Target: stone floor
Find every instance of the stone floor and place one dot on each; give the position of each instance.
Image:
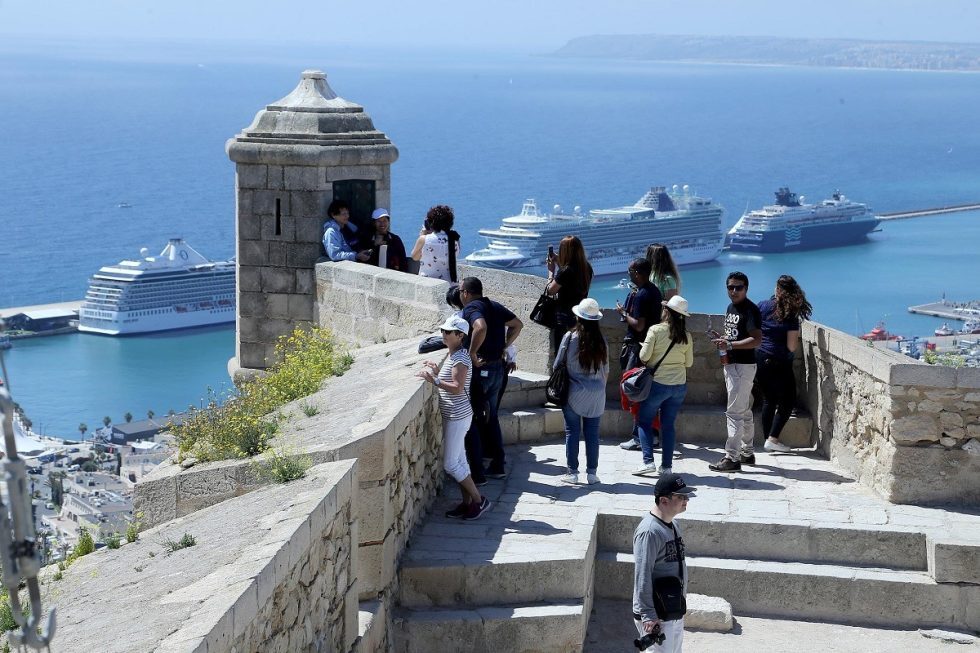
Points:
(534, 511)
(611, 632)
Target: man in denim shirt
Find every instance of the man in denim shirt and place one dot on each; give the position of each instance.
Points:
(339, 234)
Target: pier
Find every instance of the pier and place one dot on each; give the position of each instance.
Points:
(921, 213)
(68, 306)
(949, 310)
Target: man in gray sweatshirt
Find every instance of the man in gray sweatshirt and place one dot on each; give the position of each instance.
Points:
(658, 550)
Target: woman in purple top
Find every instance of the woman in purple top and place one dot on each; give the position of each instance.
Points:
(781, 316)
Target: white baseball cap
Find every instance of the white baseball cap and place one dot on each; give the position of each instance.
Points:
(456, 323)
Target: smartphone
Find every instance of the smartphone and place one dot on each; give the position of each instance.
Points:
(551, 252)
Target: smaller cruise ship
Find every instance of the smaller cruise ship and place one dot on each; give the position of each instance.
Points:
(789, 224)
(177, 289)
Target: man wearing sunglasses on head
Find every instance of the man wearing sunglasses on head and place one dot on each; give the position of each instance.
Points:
(743, 333)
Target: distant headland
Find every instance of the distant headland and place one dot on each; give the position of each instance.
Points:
(764, 50)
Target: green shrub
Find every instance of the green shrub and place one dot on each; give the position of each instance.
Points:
(240, 426)
(282, 466)
(945, 359)
(132, 531)
(185, 541)
(113, 541)
(85, 546)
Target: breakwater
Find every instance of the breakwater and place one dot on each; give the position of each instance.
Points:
(921, 213)
(949, 310)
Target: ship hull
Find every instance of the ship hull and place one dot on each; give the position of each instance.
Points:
(811, 237)
(122, 324)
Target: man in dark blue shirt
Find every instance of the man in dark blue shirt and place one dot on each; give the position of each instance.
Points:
(493, 328)
(643, 309)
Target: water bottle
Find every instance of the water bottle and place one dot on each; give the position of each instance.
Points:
(722, 353)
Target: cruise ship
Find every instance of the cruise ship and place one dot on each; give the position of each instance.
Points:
(177, 289)
(689, 225)
(789, 224)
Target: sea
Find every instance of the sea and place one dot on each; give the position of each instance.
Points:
(87, 127)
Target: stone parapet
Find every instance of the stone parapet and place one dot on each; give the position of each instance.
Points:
(273, 571)
(907, 429)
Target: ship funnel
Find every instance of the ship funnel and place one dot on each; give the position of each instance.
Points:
(556, 208)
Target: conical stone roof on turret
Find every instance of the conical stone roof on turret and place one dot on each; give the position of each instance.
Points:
(312, 126)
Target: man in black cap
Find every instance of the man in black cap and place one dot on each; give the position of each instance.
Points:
(658, 550)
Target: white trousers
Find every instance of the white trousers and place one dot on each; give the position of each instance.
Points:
(674, 631)
(738, 414)
(454, 456)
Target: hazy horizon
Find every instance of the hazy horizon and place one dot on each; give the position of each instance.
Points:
(507, 24)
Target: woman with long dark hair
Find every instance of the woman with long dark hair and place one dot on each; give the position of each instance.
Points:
(781, 316)
(583, 350)
(438, 245)
(569, 277)
(663, 271)
(668, 348)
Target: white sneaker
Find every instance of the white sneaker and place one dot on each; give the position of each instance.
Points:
(644, 470)
(776, 446)
(664, 470)
(592, 479)
(570, 478)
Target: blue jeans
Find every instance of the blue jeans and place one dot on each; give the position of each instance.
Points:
(485, 431)
(573, 432)
(667, 399)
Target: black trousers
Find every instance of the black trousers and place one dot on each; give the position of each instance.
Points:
(778, 385)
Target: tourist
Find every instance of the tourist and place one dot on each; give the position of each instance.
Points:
(453, 381)
(669, 350)
(340, 235)
(642, 310)
(432, 249)
(388, 251)
(781, 316)
(660, 565)
(493, 328)
(743, 333)
(663, 271)
(569, 277)
(584, 352)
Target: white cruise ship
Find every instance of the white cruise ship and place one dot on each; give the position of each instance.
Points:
(178, 289)
(690, 226)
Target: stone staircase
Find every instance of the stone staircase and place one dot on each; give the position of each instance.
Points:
(524, 577)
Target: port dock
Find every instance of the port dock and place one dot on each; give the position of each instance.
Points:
(949, 310)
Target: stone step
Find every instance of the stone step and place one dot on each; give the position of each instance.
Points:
(821, 592)
(371, 617)
(541, 628)
(524, 389)
(696, 424)
(780, 540)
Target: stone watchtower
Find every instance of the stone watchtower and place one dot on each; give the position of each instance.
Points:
(298, 155)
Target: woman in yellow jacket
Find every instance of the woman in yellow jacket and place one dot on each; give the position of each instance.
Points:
(669, 343)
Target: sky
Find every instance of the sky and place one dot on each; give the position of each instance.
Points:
(527, 25)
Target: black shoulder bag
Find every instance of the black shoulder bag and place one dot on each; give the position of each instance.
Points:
(558, 385)
(668, 591)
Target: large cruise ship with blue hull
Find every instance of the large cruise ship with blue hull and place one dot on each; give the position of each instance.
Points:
(790, 224)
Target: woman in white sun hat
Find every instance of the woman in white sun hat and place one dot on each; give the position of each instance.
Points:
(453, 382)
(584, 351)
(670, 344)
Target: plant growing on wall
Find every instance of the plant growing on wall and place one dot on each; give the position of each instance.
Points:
(241, 425)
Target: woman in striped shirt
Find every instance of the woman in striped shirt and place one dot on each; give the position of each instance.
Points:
(453, 382)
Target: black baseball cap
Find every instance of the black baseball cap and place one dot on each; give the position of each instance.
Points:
(672, 484)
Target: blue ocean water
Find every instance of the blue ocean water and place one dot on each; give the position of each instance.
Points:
(86, 129)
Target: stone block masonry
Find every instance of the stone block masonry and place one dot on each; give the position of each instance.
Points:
(909, 430)
(271, 571)
(288, 162)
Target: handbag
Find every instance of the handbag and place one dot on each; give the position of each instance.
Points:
(431, 343)
(668, 591)
(556, 391)
(545, 311)
(637, 382)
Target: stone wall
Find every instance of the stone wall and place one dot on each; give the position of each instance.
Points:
(910, 431)
(271, 571)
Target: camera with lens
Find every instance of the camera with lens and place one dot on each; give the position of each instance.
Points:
(427, 223)
(656, 637)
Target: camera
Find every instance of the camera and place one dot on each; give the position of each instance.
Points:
(656, 637)
(427, 224)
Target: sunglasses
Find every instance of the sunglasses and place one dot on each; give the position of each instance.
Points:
(445, 331)
(738, 288)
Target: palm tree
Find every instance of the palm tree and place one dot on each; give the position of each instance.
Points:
(128, 417)
(82, 428)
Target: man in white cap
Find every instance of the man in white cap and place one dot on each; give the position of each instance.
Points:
(388, 250)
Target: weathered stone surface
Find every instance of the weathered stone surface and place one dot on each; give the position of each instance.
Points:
(954, 561)
(913, 429)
